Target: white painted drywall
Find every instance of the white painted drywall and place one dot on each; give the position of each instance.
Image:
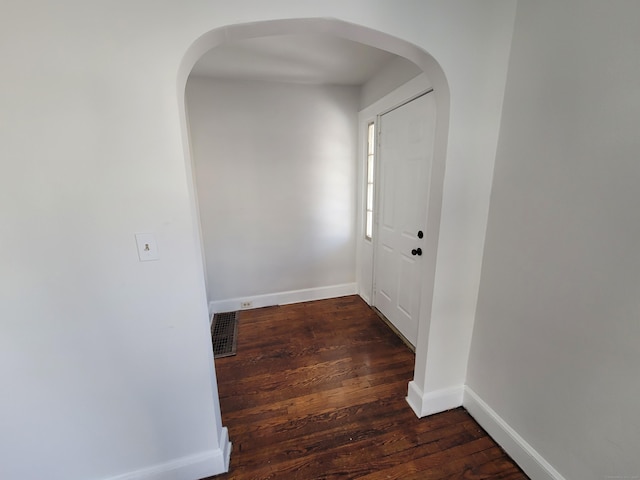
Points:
(395, 73)
(275, 167)
(555, 346)
(105, 360)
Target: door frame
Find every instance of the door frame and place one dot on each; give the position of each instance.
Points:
(413, 89)
(376, 212)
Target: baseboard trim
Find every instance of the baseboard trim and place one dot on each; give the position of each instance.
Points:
(527, 458)
(225, 448)
(201, 465)
(283, 298)
(424, 404)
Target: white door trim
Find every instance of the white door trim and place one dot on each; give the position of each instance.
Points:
(404, 94)
(376, 177)
(401, 318)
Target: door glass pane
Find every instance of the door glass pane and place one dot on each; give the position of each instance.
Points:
(371, 138)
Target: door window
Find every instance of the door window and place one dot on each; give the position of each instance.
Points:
(368, 223)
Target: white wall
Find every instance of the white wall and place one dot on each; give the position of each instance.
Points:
(395, 73)
(275, 167)
(555, 347)
(105, 360)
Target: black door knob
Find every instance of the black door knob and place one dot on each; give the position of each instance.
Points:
(416, 251)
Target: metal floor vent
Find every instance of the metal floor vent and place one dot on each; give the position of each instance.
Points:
(224, 333)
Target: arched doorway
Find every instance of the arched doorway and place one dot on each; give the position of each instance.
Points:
(441, 95)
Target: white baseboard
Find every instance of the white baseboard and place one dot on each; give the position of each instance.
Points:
(527, 458)
(225, 448)
(366, 299)
(283, 298)
(200, 465)
(424, 404)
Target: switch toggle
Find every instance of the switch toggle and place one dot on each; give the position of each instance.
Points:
(147, 247)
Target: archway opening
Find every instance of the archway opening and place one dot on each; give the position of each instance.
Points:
(373, 38)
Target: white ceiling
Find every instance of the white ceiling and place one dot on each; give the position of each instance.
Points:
(310, 59)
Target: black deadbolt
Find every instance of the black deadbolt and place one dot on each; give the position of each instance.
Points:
(420, 234)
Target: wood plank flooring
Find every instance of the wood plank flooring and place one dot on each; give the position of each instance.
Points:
(317, 391)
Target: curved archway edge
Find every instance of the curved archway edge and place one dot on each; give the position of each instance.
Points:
(383, 41)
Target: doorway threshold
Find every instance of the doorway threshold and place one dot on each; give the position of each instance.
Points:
(394, 330)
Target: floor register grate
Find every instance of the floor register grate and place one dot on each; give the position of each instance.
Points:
(224, 333)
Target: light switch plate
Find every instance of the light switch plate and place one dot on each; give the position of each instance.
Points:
(147, 247)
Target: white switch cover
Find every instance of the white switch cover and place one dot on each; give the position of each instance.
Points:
(147, 247)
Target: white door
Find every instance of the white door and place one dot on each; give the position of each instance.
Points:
(404, 162)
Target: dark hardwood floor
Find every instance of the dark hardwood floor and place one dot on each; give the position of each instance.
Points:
(317, 391)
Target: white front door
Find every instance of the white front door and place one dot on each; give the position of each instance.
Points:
(404, 162)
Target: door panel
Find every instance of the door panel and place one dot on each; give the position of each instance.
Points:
(404, 161)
